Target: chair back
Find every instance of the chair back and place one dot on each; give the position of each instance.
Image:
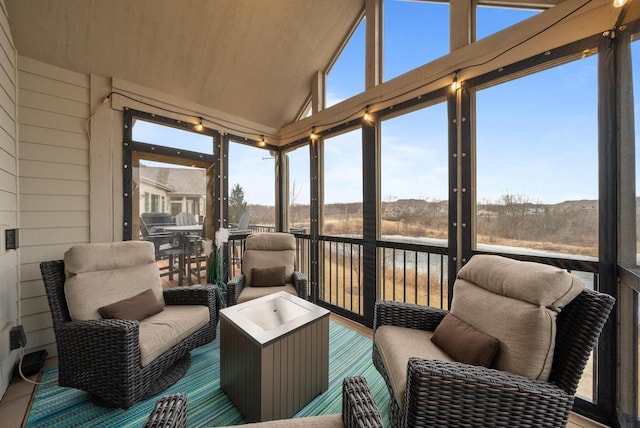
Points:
(269, 249)
(516, 302)
(53, 277)
(185, 219)
(92, 268)
(579, 325)
(243, 223)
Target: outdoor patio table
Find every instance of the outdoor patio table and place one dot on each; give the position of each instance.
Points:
(183, 233)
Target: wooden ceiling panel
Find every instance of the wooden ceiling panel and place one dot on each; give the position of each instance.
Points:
(253, 59)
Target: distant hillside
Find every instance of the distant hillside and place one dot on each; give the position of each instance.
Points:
(419, 209)
(569, 223)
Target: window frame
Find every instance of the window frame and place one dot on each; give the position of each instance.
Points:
(133, 150)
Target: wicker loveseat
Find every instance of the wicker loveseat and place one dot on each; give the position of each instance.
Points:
(264, 252)
(359, 410)
(122, 361)
(546, 325)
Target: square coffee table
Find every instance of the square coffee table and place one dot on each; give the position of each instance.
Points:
(274, 355)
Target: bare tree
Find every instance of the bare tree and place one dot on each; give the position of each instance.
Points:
(512, 213)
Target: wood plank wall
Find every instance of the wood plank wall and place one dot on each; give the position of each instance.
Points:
(8, 187)
(53, 181)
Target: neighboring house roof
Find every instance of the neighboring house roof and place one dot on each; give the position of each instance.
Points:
(177, 181)
(156, 184)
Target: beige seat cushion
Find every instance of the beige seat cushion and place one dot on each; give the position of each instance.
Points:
(161, 331)
(396, 345)
(517, 303)
(101, 274)
(250, 293)
(266, 250)
(322, 421)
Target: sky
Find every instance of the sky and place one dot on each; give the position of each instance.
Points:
(528, 138)
(536, 136)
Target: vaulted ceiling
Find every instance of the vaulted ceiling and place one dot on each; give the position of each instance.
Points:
(254, 59)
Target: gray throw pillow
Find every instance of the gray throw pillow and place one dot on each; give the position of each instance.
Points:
(267, 277)
(464, 343)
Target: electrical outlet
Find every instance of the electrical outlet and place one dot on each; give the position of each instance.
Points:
(18, 338)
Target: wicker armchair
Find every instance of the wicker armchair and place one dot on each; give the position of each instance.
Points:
(103, 356)
(449, 393)
(359, 410)
(265, 250)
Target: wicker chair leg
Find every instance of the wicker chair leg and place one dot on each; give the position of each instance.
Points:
(170, 376)
(169, 412)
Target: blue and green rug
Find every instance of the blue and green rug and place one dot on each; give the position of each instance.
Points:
(349, 355)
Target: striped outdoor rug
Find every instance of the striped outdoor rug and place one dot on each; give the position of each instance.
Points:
(349, 354)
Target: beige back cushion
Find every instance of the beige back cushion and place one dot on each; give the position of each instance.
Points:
(535, 283)
(265, 250)
(105, 273)
(517, 303)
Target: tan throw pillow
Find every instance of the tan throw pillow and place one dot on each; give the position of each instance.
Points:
(135, 308)
(464, 343)
(267, 277)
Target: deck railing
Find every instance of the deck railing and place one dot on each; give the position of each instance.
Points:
(413, 273)
(340, 273)
(407, 272)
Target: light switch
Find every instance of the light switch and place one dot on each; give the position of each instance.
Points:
(11, 239)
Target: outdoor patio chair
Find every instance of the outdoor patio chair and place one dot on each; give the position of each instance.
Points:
(510, 353)
(268, 266)
(242, 226)
(359, 410)
(120, 336)
(192, 244)
(185, 219)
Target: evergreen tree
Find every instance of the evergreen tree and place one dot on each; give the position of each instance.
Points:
(237, 204)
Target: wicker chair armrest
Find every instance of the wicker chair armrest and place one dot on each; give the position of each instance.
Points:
(301, 284)
(463, 395)
(100, 340)
(191, 295)
(204, 295)
(358, 406)
(234, 288)
(170, 412)
(408, 315)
